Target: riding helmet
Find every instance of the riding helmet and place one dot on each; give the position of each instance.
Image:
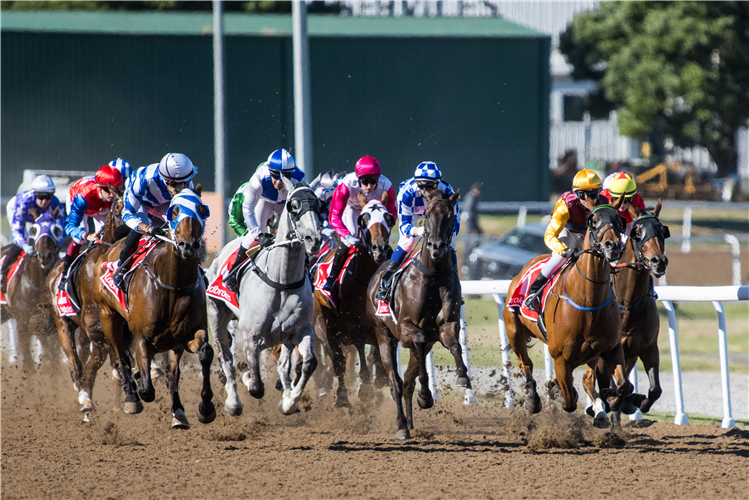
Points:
(177, 167)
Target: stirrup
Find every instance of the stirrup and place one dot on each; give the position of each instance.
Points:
(63, 282)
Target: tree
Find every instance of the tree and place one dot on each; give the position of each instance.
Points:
(678, 69)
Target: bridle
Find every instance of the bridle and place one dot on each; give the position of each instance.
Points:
(596, 233)
(306, 201)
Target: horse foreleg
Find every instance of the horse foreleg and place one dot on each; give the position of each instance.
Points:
(339, 366)
(600, 418)
(323, 376)
(306, 346)
(283, 366)
(112, 325)
(365, 377)
(409, 384)
(143, 356)
(615, 358)
(218, 322)
(200, 344)
(564, 379)
(66, 331)
(95, 359)
(389, 351)
(651, 363)
(251, 377)
(179, 420)
(517, 336)
(375, 361)
(450, 338)
(424, 398)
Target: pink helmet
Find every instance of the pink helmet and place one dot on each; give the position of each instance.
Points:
(367, 165)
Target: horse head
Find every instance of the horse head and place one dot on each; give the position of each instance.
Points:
(186, 216)
(605, 227)
(375, 223)
(304, 211)
(47, 234)
(439, 222)
(649, 240)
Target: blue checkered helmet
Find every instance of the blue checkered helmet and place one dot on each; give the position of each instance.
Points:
(427, 171)
(281, 160)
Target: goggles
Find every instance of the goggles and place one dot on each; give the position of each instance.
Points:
(427, 184)
(277, 175)
(590, 193)
(368, 180)
(43, 196)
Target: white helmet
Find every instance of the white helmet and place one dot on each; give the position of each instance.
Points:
(177, 167)
(43, 184)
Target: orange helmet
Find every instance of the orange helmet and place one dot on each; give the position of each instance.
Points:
(622, 184)
(586, 179)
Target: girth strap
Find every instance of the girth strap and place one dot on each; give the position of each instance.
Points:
(275, 284)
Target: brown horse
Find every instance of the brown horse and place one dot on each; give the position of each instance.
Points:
(27, 302)
(88, 319)
(425, 309)
(166, 311)
(348, 324)
(582, 319)
(643, 261)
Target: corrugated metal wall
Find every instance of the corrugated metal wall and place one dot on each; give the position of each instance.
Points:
(478, 107)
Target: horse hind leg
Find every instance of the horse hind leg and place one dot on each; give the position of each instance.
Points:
(450, 338)
(598, 410)
(517, 335)
(66, 331)
(651, 362)
(306, 346)
(366, 392)
(339, 366)
(179, 420)
(389, 351)
(200, 344)
(96, 358)
(112, 325)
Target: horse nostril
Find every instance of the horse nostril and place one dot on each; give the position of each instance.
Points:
(655, 260)
(196, 245)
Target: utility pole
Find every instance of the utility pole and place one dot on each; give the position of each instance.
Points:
(302, 106)
(218, 110)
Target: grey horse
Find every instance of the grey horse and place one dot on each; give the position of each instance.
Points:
(275, 303)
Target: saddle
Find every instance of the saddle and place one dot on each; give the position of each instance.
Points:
(67, 300)
(517, 300)
(11, 272)
(383, 308)
(323, 270)
(218, 289)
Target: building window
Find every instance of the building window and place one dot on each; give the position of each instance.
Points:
(573, 108)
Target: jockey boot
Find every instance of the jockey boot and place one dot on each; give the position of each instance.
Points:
(533, 299)
(230, 282)
(335, 268)
(128, 248)
(65, 268)
(11, 255)
(387, 281)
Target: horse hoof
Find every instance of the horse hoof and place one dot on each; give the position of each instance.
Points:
(627, 408)
(133, 407)
(116, 377)
(365, 393)
(425, 402)
(342, 402)
(206, 417)
(179, 420)
(288, 406)
(233, 411)
(601, 421)
(533, 404)
(463, 382)
(148, 395)
(87, 417)
(321, 393)
(279, 386)
(87, 407)
(403, 434)
(589, 411)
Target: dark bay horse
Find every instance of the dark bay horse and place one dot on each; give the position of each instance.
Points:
(88, 319)
(27, 302)
(582, 319)
(348, 324)
(643, 261)
(426, 309)
(166, 311)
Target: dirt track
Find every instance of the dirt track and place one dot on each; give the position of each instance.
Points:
(458, 452)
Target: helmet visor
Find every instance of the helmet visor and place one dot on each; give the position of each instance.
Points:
(588, 193)
(368, 180)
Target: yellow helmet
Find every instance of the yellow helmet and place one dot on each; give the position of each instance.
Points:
(622, 184)
(586, 179)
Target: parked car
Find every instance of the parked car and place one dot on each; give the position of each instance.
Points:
(505, 258)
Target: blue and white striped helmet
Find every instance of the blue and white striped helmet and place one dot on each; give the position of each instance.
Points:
(281, 160)
(122, 166)
(427, 171)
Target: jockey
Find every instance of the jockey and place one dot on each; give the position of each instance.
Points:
(427, 178)
(90, 197)
(23, 208)
(263, 195)
(623, 184)
(148, 192)
(122, 167)
(565, 233)
(345, 207)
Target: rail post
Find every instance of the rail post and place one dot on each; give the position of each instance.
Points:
(680, 418)
(522, 215)
(728, 421)
(469, 398)
(736, 252)
(504, 343)
(430, 372)
(686, 231)
(637, 415)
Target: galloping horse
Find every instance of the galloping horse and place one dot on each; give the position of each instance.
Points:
(425, 309)
(88, 319)
(643, 260)
(26, 299)
(348, 323)
(165, 310)
(275, 303)
(582, 319)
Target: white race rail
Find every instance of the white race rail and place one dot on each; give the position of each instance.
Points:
(667, 294)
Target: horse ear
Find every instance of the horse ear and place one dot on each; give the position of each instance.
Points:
(362, 199)
(56, 213)
(34, 213)
(203, 211)
(658, 207)
(198, 189)
(622, 222)
(384, 199)
(634, 212)
(364, 220)
(455, 197)
(618, 203)
(389, 219)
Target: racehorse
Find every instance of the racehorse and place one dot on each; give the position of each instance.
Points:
(642, 261)
(26, 299)
(582, 319)
(425, 308)
(165, 310)
(275, 303)
(346, 322)
(88, 319)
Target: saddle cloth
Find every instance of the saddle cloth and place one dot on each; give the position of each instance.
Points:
(383, 308)
(145, 246)
(521, 290)
(218, 289)
(11, 272)
(323, 271)
(64, 302)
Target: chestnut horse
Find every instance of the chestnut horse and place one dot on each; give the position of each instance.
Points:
(425, 309)
(27, 303)
(166, 311)
(88, 319)
(582, 319)
(643, 261)
(348, 323)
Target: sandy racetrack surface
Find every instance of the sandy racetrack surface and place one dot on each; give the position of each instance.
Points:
(457, 452)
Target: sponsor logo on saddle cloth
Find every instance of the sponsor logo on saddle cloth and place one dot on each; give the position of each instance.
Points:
(145, 246)
(218, 289)
(323, 270)
(11, 272)
(383, 308)
(521, 290)
(63, 303)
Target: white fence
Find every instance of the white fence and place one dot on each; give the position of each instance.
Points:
(666, 294)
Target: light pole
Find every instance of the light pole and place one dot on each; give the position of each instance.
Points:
(218, 109)
(302, 108)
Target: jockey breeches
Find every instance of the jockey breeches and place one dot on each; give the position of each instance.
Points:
(263, 211)
(572, 240)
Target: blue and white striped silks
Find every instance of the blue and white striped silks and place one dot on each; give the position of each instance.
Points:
(145, 193)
